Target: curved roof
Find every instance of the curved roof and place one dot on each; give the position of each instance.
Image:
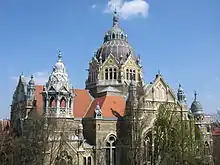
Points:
(115, 43)
(196, 107)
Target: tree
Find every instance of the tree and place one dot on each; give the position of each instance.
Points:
(176, 141)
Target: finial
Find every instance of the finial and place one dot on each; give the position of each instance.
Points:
(32, 76)
(158, 72)
(59, 55)
(180, 85)
(115, 11)
(195, 95)
(115, 18)
(22, 74)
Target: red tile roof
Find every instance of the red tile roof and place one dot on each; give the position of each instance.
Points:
(82, 101)
(111, 106)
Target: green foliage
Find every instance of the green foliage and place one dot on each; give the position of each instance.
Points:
(176, 141)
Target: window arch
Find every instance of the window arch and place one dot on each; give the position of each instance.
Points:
(115, 73)
(89, 160)
(63, 103)
(127, 74)
(131, 74)
(84, 161)
(134, 75)
(110, 74)
(70, 103)
(106, 74)
(111, 150)
(147, 148)
(113, 36)
(52, 102)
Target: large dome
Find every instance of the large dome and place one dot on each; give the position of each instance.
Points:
(115, 43)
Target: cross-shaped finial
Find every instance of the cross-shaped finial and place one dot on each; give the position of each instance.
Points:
(195, 95)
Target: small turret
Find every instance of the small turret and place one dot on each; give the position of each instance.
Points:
(181, 95)
(80, 131)
(196, 107)
(31, 88)
(98, 111)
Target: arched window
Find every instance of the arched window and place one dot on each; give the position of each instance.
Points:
(131, 74)
(147, 148)
(111, 150)
(134, 75)
(127, 74)
(115, 73)
(52, 102)
(113, 36)
(70, 103)
(110, 73)
(84, 161)
(106, 74)
(62, 103)
(89, 160)
(89, 77)
(122, 37)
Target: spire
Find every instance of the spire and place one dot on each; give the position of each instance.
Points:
(195, 96)
(115, 18)
(59, 55)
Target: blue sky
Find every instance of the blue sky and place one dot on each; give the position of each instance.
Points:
(181, 38)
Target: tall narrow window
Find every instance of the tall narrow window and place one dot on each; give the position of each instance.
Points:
(62, 103)
(70, 103)
(113, 36)
(89, 160)
(127, 74)
(147, 148)
(106, 74)
(134, 75)
(115, 73)
(131, 75)
(52, 102)
(84, 161)
(111, 150)
(110, 73)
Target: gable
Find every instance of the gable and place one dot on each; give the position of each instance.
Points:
(130, 63)
(160, 91)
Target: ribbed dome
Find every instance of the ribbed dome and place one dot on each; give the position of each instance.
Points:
(115, 43)
(196, 107)
(118, 48)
